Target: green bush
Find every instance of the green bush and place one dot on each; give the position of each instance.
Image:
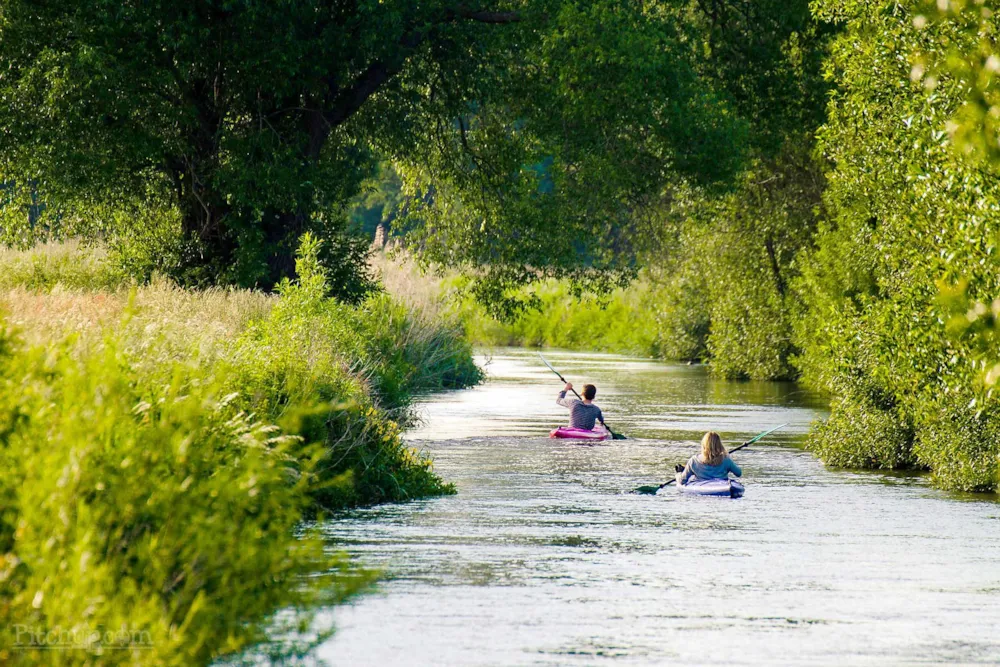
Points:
(337, 374)
(70, 265)
(959, 443)
(154, 507)
(859, 434)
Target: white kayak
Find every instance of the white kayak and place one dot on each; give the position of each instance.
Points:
(729, 488)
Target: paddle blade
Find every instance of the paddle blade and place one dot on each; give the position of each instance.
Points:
(765, 433)
(545, 361)
(618, 436)
(648, 490)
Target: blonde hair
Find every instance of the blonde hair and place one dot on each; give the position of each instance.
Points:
(712, 451)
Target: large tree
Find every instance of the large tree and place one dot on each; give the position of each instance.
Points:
(609, 133)
(549, 122)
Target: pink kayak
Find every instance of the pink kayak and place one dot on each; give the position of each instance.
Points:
(571, 433)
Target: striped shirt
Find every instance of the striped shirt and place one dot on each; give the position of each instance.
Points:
(581, 415)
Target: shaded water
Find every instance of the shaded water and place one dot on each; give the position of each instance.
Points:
(541, 559)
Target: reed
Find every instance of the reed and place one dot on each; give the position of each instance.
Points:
(161, 447)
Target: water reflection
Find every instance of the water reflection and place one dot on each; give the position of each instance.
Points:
(544, 559)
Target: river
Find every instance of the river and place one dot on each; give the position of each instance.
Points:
(543, 558)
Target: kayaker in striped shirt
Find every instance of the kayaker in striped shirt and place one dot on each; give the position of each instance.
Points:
(712, 463)
(582, 414)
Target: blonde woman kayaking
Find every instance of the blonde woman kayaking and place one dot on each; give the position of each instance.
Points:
(712, 463)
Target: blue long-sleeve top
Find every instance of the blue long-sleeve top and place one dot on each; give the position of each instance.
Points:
(702, 471)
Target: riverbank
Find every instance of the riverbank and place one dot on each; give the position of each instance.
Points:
(544, 559)
(627, 321)
(161, 447)
(934, 410)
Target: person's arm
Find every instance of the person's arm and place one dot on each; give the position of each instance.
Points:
(562, 400)
(733, 468)
(600, 417)
(686, 474)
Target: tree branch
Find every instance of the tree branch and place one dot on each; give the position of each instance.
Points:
(486, 16)
(775, 267)
(349, 100)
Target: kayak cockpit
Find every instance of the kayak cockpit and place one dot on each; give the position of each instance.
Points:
(728, 488)
(573, 433)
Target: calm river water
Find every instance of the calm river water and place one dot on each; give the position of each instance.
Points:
(543, 558)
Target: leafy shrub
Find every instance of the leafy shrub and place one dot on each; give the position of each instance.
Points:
(859, 434)
(155, 507)
(69, 264)
(959, 443)
(334, 371)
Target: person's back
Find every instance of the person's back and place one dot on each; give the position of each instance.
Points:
(582, 413)
(712, 463)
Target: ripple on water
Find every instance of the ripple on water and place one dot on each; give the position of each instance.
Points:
(544, 558)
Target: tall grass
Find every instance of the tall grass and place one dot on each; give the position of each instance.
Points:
(154, 510)
(623, 322)
(161, 447)
(295, 359)
(644, 319)
(69, 264)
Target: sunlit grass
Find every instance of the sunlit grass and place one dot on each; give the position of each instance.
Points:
(240, 413)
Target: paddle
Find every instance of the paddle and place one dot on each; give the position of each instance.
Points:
(614, 436)
(651, 490)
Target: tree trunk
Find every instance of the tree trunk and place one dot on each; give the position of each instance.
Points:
(775, 267)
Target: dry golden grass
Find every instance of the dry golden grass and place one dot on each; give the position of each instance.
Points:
(179, 323)
(40, 316)
(422, 291)
(60, 289)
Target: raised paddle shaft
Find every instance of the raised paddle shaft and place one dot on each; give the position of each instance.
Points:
(652, 490)
(614, 436)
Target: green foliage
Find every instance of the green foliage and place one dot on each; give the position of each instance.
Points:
(252, 123)
(554, 164)
(142, 241)
(625, 322)
(862, 434)
(152, 506)
(684, 316)
(339, 373)
(380, 202)
(749, 331)
(973, 60)
(962, 447)
(68, 265)
(727, 264)
(768, 55)
(908, 215)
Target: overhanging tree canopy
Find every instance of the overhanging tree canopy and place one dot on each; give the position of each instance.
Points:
(541, 126)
